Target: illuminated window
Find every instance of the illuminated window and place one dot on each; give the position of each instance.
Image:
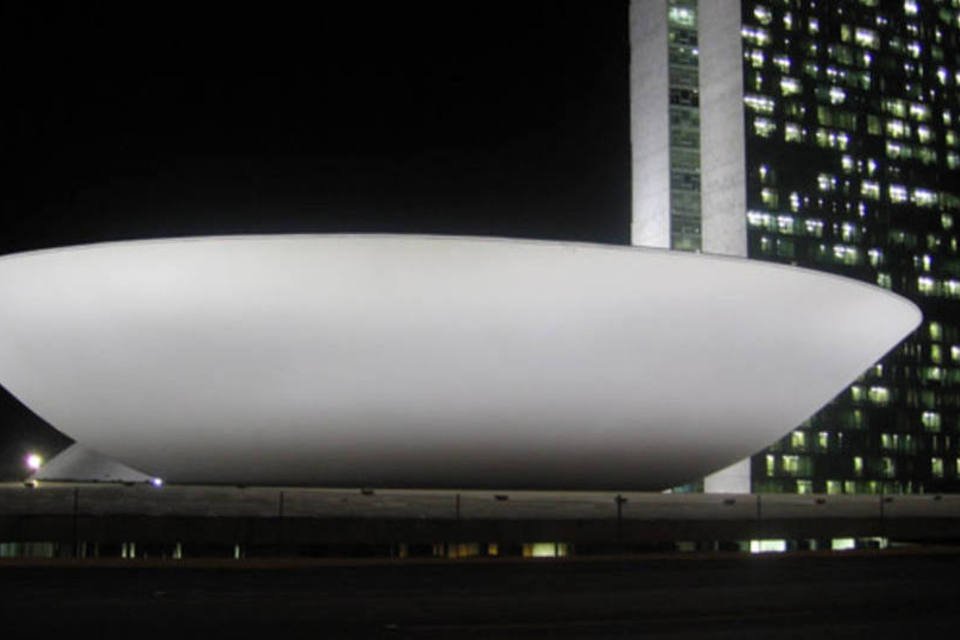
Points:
(897, 193)
(791, 464)
(771, 461)
(756, 35)
(935, 331)
(832, 139)
(682, 16)
(770, 197)
(849, 232)
(951, 288)
(897, 128)
(826, 182)
(924, 198)
(794, 201)
(875, 256)
(910, 7)
(926, 285)
(792, 132)
(762, 14)
(760, 219)
(764, 172)
(870, 189)
(768, 546)
(755, 56)
(847, 255)
(760, 103)
(919, 112)
(895, 107)
(789, 86)
(798, 440)
(885, 280)
(858, 465)
(924, 134)
(887, 468)
(897, 150)
(888, 441)
(930, 421)
(856, 393)
(782, 62)
(764, 127)
(823, 440)
(866, 38)
(936, 467)
(878, 395)
(813, 26)
(786, 224)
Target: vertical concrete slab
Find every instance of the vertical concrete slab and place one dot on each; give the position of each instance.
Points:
(723, 162)
(733, 479)
(649, 123)
(722, 135)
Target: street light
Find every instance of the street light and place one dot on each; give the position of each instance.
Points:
(34, 461)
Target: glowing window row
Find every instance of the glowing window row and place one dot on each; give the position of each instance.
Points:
(835, 135)
(899, 194)
(930, 286)
(789, 225)
(876, 394)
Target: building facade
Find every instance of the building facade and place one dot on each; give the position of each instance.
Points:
(822, 134)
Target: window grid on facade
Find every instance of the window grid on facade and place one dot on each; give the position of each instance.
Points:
(852, 167)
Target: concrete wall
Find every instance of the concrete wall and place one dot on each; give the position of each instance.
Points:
(650, 123)
(722, 143)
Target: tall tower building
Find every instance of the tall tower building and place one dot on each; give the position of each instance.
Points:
(823, 134)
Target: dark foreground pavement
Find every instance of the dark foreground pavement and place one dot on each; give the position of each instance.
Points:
(880, 595)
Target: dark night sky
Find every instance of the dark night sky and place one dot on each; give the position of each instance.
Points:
(140, 120)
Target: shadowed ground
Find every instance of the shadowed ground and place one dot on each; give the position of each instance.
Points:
(800, 595)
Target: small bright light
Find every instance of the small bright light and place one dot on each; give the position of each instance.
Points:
(34, 461)
(157, 482)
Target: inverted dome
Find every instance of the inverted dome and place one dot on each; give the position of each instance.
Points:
(429, 361)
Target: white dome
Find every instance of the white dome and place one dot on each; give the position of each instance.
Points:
(412, 361)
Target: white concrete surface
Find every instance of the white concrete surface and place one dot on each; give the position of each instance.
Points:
(723, 187)
(428, 361)
(650, 124)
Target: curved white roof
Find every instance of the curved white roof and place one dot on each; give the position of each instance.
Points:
(428, 361)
